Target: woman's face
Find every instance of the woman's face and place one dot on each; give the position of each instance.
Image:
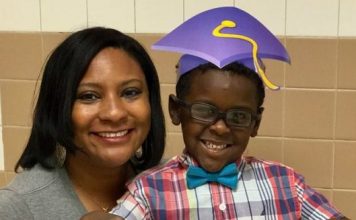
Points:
(111, 112)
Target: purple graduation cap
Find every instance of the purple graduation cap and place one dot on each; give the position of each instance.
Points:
(222, 36)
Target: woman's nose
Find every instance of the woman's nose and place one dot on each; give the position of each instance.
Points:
(113, 109)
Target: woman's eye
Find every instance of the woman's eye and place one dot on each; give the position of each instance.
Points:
(131, 93)
(88, 97)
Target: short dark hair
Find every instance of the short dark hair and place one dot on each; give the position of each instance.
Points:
(66, 66)
(184, 82)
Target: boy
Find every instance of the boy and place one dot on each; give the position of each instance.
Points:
(219, 107)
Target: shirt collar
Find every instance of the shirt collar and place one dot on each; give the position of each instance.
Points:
(185, 160)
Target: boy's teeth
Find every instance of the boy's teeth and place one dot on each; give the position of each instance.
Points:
(210, 145)
(113, 134)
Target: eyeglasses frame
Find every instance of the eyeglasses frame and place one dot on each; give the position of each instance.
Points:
(220, 114)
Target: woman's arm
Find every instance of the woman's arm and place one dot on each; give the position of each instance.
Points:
(99, 215)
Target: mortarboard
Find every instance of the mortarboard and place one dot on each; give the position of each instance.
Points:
(222, 36)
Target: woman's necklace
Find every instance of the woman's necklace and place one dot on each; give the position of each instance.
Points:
(93, 200)
(105, 209)
(88, 198)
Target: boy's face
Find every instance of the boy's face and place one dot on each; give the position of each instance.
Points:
(216, 144)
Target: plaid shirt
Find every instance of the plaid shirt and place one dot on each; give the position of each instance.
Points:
(266, 190)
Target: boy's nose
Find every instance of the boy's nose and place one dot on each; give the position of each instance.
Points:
(113, 109)
(220, 127)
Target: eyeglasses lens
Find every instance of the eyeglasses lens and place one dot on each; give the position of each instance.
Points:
(238, 118)
(208, 113)
(203, 112)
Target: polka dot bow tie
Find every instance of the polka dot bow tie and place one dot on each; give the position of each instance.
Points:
(227, 176)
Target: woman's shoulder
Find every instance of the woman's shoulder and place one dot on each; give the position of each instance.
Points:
(14, 198)
(13, 206)
(32, 180)
(48, 194)
(8, 196)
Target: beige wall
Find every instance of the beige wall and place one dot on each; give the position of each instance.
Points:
(310, 124)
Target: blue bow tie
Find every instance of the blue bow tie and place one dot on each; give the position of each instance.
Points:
(227, 176)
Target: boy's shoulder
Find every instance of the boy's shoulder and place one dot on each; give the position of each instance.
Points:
(272, 167)
(166, 167)
(265, 163)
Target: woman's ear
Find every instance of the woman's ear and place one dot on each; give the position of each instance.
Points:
(256, 126)
(173, 108)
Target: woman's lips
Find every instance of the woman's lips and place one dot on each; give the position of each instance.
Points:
(112, 134)
(113, 137)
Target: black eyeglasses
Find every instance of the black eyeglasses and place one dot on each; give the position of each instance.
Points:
(209, 114)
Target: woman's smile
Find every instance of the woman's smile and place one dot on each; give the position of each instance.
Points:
(113, 137)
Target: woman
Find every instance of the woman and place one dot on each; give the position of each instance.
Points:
(98, 121)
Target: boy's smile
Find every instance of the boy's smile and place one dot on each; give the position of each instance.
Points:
(214, 145)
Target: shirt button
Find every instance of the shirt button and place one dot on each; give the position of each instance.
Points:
(222, 206)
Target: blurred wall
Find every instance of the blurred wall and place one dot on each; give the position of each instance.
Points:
(310, 124)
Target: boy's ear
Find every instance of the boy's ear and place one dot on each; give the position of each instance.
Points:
(173, 108)
(257, 122)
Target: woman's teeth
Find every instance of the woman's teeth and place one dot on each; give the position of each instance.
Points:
(113, 134)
